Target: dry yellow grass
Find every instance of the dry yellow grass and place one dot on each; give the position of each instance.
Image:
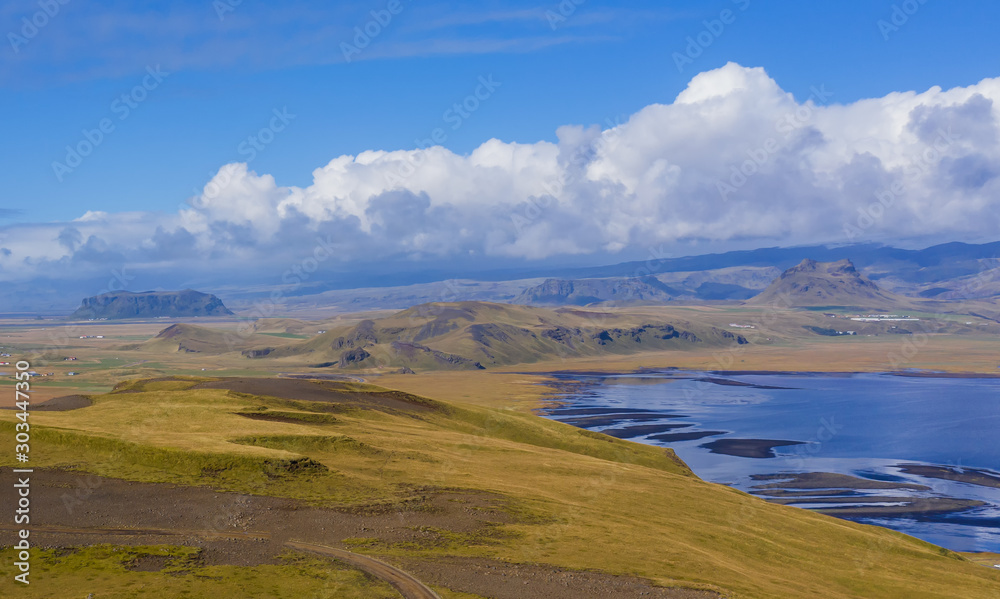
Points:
(584, 500)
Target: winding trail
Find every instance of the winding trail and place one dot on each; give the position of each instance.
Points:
(408, 586)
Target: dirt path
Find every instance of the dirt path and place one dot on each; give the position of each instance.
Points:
(408, 586)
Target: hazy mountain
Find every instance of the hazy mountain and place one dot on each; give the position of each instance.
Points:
(563, 292)
(953, 270)
(947, 271)
(150, 304)
(812, 283)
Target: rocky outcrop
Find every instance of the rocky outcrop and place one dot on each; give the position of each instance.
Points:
(412, 351)
(645, 332)
(487, 334)
(353, 356)
(151, 304)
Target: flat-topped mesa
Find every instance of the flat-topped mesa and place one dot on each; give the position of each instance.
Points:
(812, 283)
(579, 292)
(122, 305)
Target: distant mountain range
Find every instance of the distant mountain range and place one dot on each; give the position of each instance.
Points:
(150, 304)
(939, 262)
(947, 271)
(952, 271)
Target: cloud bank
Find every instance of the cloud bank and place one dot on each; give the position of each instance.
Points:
(733, 160)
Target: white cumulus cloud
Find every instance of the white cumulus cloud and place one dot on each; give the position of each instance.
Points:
(733, 160)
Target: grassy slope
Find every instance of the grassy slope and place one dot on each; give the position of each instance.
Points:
(193, 338)
(456, 329)
(584, 500)
(104, 570)
(507, 334)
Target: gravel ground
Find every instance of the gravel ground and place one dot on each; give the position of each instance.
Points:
(247, 530)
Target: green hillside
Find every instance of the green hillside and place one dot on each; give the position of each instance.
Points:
(189, 338)
(474, 335)
(571, 498)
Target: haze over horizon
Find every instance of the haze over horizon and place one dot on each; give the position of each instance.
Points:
(714, 140)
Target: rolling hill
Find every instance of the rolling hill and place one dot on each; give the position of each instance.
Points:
(188, 338)
(474, 335)
(434, 482)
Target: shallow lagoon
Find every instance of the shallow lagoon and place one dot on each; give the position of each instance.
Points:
(930, 443)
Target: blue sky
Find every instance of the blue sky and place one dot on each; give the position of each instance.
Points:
(606, 59)
(226, 140)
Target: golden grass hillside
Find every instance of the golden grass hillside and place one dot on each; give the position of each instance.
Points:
(579, 500)
(476, 335)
